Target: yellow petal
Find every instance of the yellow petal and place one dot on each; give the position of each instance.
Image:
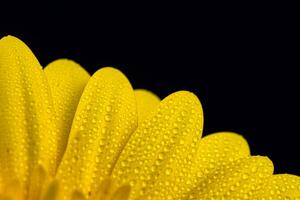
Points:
(3, 197)
(67, 80)
(28, 134)
(12, 191)
(238, 180)
(162, 143)
(122, 193)
(37, 182)
(105, 118)
(214, 151)
(147, 102)
(77, 195)
(281, 186)
(51, 191)
(108, 191)
(105, 190)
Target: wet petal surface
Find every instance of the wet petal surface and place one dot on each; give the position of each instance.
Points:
(213, 151)
(281, 186)
(105, 118)
(147, 102)
(67, 80)
(237, 180)
(28, 134)
(161, 144)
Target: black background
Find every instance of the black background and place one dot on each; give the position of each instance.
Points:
(239, 59)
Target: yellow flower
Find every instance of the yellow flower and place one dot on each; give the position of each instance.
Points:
(66, 135)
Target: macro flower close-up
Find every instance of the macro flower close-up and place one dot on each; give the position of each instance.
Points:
(66, 134)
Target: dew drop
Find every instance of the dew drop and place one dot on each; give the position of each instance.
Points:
(168, 171)
(107, 118)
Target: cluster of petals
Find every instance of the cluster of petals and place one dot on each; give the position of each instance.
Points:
(67, 135)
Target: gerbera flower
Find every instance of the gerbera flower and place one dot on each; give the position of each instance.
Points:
(66, 135)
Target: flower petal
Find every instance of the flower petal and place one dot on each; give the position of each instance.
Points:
(77, 195)
(218, 149)
(239, 179)
(38, 181)
(105, 118)
(109, 191)
(67, 80)
(12, 191)
(122, 193)
(214, 151)
(28, 134)
(147, 102)
(51, 191)
(281, 186)
(161, 143)
(105, 190)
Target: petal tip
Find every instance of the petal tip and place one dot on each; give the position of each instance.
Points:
(111, 74)
(141, 91)
(68, 65)
(10, 39)
(186, 97)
